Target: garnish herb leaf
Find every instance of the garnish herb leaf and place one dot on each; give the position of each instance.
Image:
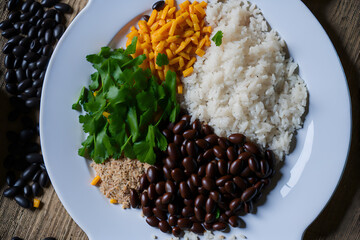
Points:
(162, 59)
(217, 38)
(123, 107)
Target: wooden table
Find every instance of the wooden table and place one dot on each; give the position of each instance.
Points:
(339, 220)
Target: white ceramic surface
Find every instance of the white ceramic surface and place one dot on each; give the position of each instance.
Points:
(309, 175)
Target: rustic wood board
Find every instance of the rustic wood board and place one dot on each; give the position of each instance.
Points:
(339, 220)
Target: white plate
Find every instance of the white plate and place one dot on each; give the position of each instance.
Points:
(309, 175)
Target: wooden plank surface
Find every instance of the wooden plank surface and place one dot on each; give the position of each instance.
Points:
(339, 220)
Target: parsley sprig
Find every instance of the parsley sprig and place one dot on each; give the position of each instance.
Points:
(123, 107)
(217, 38)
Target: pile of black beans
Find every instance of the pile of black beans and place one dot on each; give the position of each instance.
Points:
(202, 181)
(32, 29)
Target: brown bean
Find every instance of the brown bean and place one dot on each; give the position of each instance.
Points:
(184, 223)
(203, 191)
(251, 147)
(176, 231)
(210, 218)
(241, 150)
(269, 156)
(167, 198)
(196, 125)
(222, 180)
(207, 129)
(248, 194)
(191, 148)
(151, 191)
(222, 167)
(230, 187)
(219, 226)
(244, 156)
(170, 163)
(189, 202)
(190, 134)
(248, 207)
(259, 186)
(197, 228)
(202, 170)
(264, 167)
(189, 164)
(210, 205)
(201, 143)
(211, 170)
(134, 198)
(211, 138)
(173, 220)
(230, 153)
(235, 204)
(152, 221)
(266, 181)
(164, 226)
(173, 209)
(160, 188)
(200, 201)
(159, 204)
(252, 180)
(200, 159)
(208, 183)
(195, 180)
(178, 175)
(253, 164)
(246, 172)
(186, 118)
(216, 196)
(173, 152)
(144, 198)
(159, 213)
(178, 139)
(183, 150)
(240, 183)
(219, 152)
(208, 226)
(167, 173)
(223, 143)
(209, 154)
(144, 183)
(152, 174)
(184, 190)
(236, 138)
(199, 214)
(233, 221)
(179, 127)
(223, 218)
(192, 187)
(236, 167)
(168, 134)
(147, 211)
(187, 212)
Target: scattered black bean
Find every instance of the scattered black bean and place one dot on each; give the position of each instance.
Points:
(44, 179)
(36, 189)
(22, 201)
(62, 7)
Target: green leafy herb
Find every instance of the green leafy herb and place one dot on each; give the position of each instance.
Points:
(123, 106)
(217, 213)
(217, 38)
(162, 59)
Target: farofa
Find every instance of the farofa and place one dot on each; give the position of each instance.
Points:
(118, 177)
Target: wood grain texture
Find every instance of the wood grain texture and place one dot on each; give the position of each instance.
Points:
(339, 220)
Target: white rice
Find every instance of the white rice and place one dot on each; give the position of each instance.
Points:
(246, 85)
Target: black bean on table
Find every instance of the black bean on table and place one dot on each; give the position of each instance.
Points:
(26, 5)
(34, 7)
(36, 176)
(25, 42)
(42, 41)
(14, 16)
(29, 172)
(33, 31)
(30, 92)
(34, 158)
(48, 23)
(36, 74)
(36, 189)
(24, 84)
(8, 47)
(41, 33)
(10, 178)
(5, 24)
(12, 4)
(29, 73)
(22, 201)
(17, 25)
(27, 191)
(43, 179)
(19, 51)
(33, 20)
(25, 16)
(59, 30)
(59, 17)
(11, 191)
(11, 88)
(31, 57)
(10, 76)
(31, 147)
(10, 32)
(50, 13)
(49, 38)
(39, 12)
(19, 183)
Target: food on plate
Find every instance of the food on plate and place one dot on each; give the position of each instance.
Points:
(180, 34)
(247, 84)
(195, 171)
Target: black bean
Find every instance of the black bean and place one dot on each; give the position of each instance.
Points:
(42, 41)
(28, 73)
(31, 57)
(59, 30)
(10, 76)
(33, 20)
(17, 25)
(42, 75)
(47, 50)
(145, 18)
(11, 192)
(39, 13)
(25, 16)
(34, 158)
(26, 5)
(10, 178)
(48, 23)
(22, 201)
(25, 42)
(49, 38)
(8, 47)
(19, 51)
(15, 40)
(62, 7)
(27, 191)
(43, 179)
(33, 32)
(41, 33)
(36, 189)
(19, 183)
(24, 84)
(39, 22)
(36, 74)
(36, 176)
(17, 62)
(29, 172)
(12, 4)
(24, 64)
(59, 17)
(14, 16)
(34, 7)
(10, 32)
(5, 24)
(11, 88)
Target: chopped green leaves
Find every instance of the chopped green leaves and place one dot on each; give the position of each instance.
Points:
(162, 59)
(217, 39)
(123, 106)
